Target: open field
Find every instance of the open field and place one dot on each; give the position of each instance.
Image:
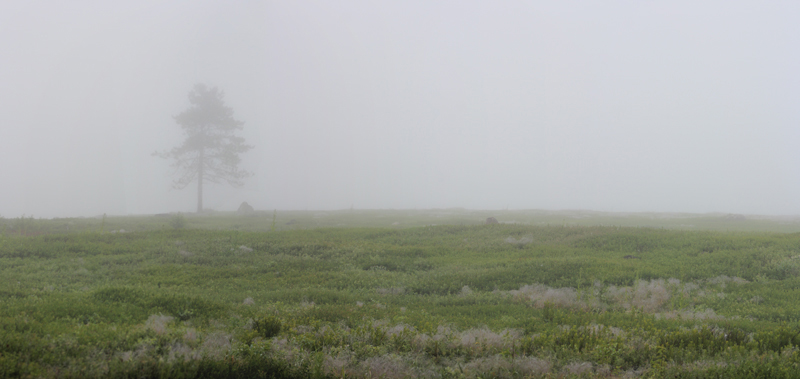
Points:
(400, 219)
(389, 294)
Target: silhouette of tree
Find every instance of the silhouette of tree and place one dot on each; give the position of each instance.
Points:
(210, 152)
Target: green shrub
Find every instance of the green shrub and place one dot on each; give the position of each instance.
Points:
(267, 326)
(178, 221)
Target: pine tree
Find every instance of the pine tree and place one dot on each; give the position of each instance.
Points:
(210, 152)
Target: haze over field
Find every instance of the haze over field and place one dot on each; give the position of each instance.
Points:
(624, 106)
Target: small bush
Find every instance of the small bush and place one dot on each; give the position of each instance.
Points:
(178, 221)
(267, 326)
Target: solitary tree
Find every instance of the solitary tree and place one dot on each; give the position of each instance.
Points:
(210, 151)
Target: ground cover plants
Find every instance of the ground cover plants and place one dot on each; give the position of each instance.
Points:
(154, 297)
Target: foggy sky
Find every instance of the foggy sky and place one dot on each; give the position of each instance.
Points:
(668, 106)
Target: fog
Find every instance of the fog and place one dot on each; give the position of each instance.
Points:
(669, 106)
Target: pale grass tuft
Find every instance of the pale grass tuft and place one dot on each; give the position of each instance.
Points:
(566, 297)
(722, 280)
(185, 253)
(489, 367)
(245, 249)
(481, 341)
(531, 366)
(689, 314)
(522, 241)
(391, 291)
(578, 368)
(337, 366)
(135, 355)
(466, 291)
(179, 351)
(399, 329)
(651, 296)
(540, 295)
(688, 288)
(216, 345)
(248, 301)
(702, 365)
(634, 373)
(648, 296)
(158, 323)
(603, 371)
(388, 367)
(420, 341)
(599, 329)
(444, 337)
(190, 335)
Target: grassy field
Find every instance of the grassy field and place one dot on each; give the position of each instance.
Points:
(369, 294)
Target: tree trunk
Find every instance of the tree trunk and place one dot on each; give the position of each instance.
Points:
(200, 165)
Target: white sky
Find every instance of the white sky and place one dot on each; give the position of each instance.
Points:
(673, 106)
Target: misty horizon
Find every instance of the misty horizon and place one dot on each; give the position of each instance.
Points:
(615, 107)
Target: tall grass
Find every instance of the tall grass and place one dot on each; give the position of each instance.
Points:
(453, 301)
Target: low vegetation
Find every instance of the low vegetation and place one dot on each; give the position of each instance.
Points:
(140, 297)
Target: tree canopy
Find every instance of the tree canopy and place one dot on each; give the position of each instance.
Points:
(210, 151)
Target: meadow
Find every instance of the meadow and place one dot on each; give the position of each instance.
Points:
(395, 294)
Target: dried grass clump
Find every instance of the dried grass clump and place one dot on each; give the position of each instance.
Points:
(399, 330)
(540, 295)
(158, 323)
(722, 280)
(522, 241)
(531, 366)
(688, 288)
(648, 296)
(489, 367)
(497, 366)
(566, 297)
(391, 291)
(481, 341)
(337, 366)
(388, 367)
(444, 338)
(190, 335)
(216, 345)
(181, 352)
(135, 355)
(651, 296)
(420, 341)
(577, 368)
(700, 366)
(248, 301)
(287, 351)
(689, 314)
(598, 329)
